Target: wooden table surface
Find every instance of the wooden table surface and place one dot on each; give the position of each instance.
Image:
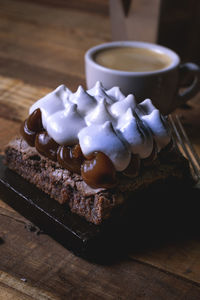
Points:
(42, 44)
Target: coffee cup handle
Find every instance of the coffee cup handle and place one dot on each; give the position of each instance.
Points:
(188, 72)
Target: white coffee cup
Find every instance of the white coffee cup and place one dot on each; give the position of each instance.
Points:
(164, 86)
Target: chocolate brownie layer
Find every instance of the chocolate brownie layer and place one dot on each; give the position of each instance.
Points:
(67, 187)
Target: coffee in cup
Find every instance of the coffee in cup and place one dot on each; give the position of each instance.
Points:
(144, 69)
(133, 59)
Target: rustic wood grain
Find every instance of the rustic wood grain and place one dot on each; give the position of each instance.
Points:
(42, 45)
(48, 266)
(8, 130)
(16, 98)
(92, 6)
(19, 289)
(182, 258)
(48, 38)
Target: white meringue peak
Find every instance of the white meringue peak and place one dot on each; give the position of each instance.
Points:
(99, 115)
(103, 138)
(115, 93)
(99, 92)
(84, 101)
(51, 103)
(158, 128)
(64, 126)
(120, 107)
(146, 106)
(138, 139)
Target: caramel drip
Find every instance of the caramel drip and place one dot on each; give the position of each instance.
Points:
(70, 158)
(99, 171)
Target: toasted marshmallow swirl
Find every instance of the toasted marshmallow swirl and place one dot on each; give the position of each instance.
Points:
(103, 120)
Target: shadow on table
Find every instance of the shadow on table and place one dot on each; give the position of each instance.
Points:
(1, 241)
(155, 218)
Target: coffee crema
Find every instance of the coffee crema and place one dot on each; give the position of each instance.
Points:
(132, 59)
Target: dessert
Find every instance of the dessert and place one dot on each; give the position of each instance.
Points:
(94, 149)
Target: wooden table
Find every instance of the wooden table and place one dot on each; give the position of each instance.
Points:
(42, 44)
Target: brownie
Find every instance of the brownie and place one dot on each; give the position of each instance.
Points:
(95, 205)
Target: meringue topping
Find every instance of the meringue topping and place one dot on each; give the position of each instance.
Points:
(103, 120)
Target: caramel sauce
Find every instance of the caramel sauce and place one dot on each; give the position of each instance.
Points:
(99, 171)
(46, 146)
(70, 158)
(34, 121)
(28, 134)
(31, 126)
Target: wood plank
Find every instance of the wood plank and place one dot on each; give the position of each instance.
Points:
(60, 272)
(29, 74)
(16, 98)
(92, 6)
(46, 44)
(8, 130)
(18, 289)
(181, 258)
(57, 18)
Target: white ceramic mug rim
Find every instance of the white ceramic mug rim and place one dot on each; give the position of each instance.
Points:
(155, 47)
